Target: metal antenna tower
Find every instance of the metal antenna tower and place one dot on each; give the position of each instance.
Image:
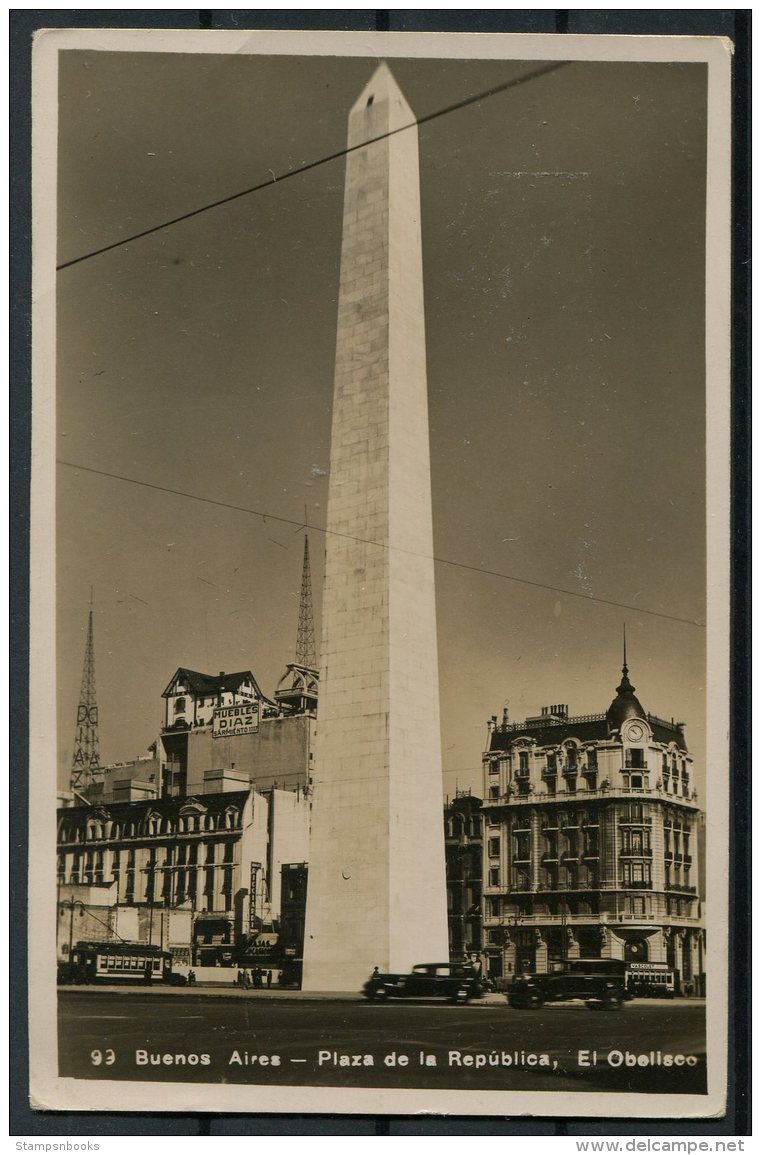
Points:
(305, 647)
(85, 766)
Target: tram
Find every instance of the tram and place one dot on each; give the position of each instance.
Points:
(651, 981)
(134, 962)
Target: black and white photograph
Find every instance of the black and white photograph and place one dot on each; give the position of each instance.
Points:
(380, 610)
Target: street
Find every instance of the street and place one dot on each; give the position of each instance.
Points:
(648, 1046)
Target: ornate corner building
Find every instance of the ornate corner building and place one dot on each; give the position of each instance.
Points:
(591, 828)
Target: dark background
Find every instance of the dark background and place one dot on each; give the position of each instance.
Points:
(731, 23)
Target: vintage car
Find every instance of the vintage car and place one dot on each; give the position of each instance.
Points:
(457, 982)
(600, 983)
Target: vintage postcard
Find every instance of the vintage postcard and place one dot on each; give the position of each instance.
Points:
(380, 610)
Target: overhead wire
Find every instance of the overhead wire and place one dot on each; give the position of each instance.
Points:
(266, 515)
(277, 179)
(313, 164)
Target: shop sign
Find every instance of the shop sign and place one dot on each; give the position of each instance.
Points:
(242, 719)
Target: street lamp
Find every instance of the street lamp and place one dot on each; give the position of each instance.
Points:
(71, 904)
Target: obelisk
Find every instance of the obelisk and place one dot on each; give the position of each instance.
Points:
(376, 893)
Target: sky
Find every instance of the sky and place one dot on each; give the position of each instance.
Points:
(563, 229)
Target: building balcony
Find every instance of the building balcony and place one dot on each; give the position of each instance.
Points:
(642, 852)
(636, 885)
(580, 797)
(629, 765)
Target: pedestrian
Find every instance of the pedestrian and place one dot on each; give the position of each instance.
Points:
(191, 978)
(269, 979)
(148, 974)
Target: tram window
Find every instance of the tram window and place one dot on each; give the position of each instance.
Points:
(157, 964)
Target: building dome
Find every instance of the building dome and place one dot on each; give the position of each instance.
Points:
(625, 705)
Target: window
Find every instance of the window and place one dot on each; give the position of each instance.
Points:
(635, 781)
(591, 759)
(179, 705)
(591, 781)
(523, 762)
(494, 907)
(552, 763)
(494, 847)
(494, 792)
(493, 876)
(635, 758)
(522, 850)
(494, 767)
(571, 757)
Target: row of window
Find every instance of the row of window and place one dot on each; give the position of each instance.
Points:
(153, 825)
(632, 906)
(585, 876)
(569, 758)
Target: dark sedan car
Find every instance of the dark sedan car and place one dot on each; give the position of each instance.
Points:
(598, 982)
(456, 982)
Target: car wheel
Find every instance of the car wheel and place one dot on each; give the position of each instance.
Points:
(534, 1000)
(381, 994)
(612, 1002)
(516, 1003)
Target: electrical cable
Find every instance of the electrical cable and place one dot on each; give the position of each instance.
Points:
(366, 541)
(514, 83)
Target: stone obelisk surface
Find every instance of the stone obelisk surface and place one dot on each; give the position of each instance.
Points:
(376, 892)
